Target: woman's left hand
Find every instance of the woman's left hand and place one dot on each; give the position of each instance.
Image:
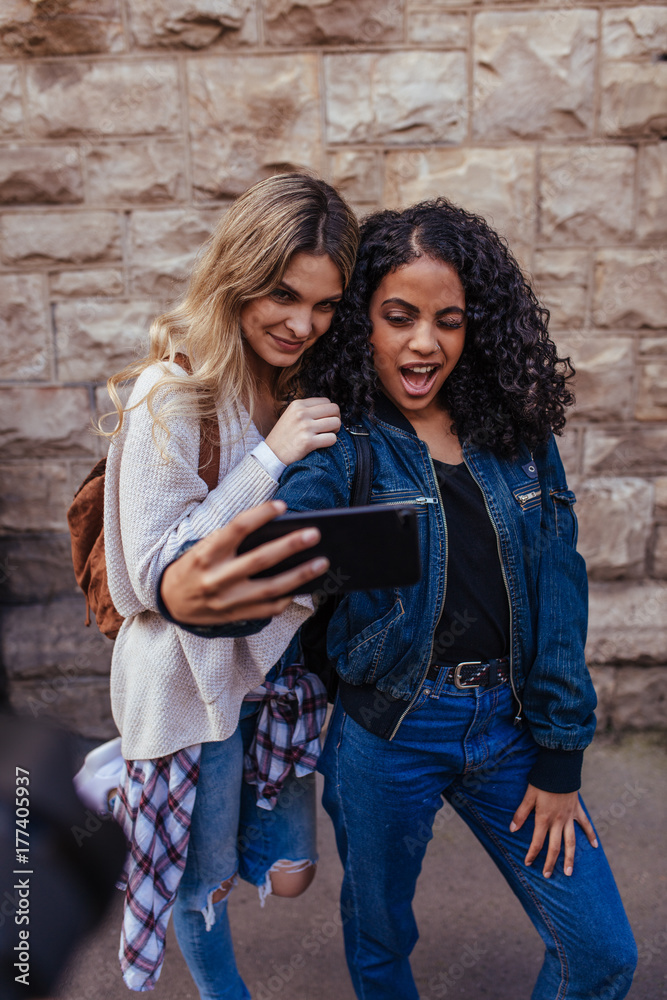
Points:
(555, 814)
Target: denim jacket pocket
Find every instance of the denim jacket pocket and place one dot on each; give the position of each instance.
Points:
(566, 520)
(363, 651)
(528, 496)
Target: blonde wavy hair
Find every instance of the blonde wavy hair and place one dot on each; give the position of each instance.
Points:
(245, 258)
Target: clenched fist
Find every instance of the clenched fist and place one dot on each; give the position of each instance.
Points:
(305, 425)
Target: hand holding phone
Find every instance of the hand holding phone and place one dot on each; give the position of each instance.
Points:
(368, 548)
(211, 584)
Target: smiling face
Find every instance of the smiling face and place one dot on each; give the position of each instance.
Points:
(418, 317)
(279, 327)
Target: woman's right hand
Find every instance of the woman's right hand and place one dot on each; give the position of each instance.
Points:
(211, 585)
(305, 425)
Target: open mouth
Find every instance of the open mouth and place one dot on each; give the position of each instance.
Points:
(418, 379)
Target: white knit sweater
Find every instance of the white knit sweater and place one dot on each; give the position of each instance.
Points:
(171, 689)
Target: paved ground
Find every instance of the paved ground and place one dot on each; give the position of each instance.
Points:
(491, 949)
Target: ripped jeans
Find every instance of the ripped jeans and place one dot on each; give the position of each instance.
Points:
(230, 834)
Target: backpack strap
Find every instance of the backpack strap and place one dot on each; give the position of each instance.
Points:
(209, 438)
(362, 482)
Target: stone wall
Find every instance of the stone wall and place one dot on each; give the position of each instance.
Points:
(125, 127)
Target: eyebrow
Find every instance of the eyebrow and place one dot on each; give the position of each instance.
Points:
(330, 298)
(414, 309)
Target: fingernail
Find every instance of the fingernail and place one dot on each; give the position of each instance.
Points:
(320, 564)
(513, 827)
(568, 871)
(528, 864)
(595, 843)
(310, 535)
(547, 874)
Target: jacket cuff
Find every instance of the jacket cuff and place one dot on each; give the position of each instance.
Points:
(557, 770)
(232, 630)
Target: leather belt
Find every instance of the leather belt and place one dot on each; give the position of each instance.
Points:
(471, 673)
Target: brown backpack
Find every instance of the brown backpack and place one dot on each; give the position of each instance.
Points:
(86, 525)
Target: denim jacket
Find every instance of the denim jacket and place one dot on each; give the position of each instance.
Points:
(385, 637)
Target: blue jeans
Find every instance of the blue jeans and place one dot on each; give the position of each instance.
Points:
(383, 796)
(229, 833)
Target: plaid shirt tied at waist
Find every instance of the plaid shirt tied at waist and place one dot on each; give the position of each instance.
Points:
(155, 801)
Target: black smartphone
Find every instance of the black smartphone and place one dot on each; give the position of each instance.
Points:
(368, 548)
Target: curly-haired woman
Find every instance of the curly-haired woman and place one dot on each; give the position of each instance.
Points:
(261, 294)
(471, 685)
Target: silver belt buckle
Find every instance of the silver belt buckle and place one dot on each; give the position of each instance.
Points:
(457, 676)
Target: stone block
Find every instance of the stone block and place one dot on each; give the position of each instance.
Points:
(629, 288)
(628, 451)
(495, 183)
(627, 623)
(86, 284)
(632, 99)
(652, 214)
(652, 397)
(163, 246)
(97, 337)
(603, 384)
(659, 567)
(36, 569)
(396, 98)
(436, 5)
(149, 171)
(569, 447)
(81, 706)
(653, 347)
(433, 27)
(561, 282)
(62, 237)
(40, 175)
(11, 110)
(250, 118)
(604, 682)
(615, 521)
(661, 498)
(102, 99)
(40, 640)
(60, 28)
(192, 24)
(45, 422)
(634, 32)
(533, 74)
(357, 175)
(35, 496)
(587, 194)
(25, 325)
(641, 698)
(333, 22)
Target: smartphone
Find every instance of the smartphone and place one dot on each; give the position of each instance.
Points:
(368, 548)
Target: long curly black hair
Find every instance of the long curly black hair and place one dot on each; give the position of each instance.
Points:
(509, 385)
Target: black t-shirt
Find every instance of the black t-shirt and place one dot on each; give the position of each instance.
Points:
(474, 624)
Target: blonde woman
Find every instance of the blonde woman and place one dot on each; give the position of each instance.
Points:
(263, 291)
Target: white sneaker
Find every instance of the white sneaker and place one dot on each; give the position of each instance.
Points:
(96, 782)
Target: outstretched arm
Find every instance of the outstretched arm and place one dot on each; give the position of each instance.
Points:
(211, 585)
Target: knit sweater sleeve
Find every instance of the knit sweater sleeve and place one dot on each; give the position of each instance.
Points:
(162, 502)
